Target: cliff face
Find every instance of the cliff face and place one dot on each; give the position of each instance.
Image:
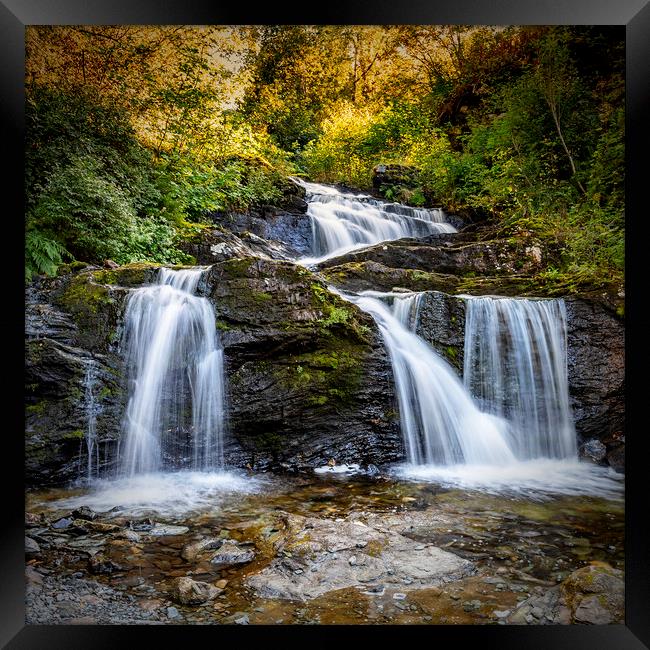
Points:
(308, 377)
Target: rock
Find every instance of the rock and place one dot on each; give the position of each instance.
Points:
(594, 450)
(304, 388)
(471, 605)
(31, 547)
(99, 563)
(84, 512)
(221, 584)
(596, 372)
(591, 595)
(33, 577)
(190, 551)
(61, 524)
(109, 264)
(596, 594)
(163, 530)
(191, 592)
(383, 559)
(242, 620)
(230, 554)
(501, 614)
(129, 535)
(173, 613)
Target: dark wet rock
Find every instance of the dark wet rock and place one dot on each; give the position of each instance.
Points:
(313, 558)
(596, 370)
(84, 512)
(230, 554)
(31, 547)
(99, 563)
(162, 530)
(63, 523)
(441, 322)
(309, 378)
(190, 551)
(393, 176)
(460, 255)
(71, 324)
(215, 245)
(593, 595)
(616, 457)
(594, 450)
(192, 592)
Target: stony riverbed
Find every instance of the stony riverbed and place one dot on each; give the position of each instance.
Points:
(335, 549)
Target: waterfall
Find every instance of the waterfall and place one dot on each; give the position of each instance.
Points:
(174, 362)
(516, 367)
(91, 410)
(440, 422)
(345, 222)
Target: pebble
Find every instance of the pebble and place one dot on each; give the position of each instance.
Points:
(399, 596)
(173, 613)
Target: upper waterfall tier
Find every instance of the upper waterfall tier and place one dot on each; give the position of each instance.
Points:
(343, 222)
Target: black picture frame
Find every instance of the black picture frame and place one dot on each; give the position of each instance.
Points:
(632, 15)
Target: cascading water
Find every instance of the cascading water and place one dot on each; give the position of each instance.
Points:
(92, 410)
(516, 367)
(172, 353)
(440, 423)
(345, 222)
(450, 440)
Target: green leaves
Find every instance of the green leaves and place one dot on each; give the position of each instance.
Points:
(42, 254)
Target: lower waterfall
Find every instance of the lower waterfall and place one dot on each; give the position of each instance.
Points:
(440, 422)
(174, 361)
(516, 367)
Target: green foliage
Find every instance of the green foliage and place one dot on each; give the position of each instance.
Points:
(42, 255)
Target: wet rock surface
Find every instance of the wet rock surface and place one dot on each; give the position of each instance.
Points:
(593, 595)
(332, 550)
(324, 555)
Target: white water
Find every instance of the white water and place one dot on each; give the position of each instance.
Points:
(450, 441)
(92, 410)
(515, 365)
(533, 479)
(169, 493)
(345, 222)
(172, 350)
(440, 422)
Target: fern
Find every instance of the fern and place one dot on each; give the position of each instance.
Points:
(42, 254)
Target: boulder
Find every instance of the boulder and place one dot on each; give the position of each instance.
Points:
(317, 556)
(230, 554)
(191, 592)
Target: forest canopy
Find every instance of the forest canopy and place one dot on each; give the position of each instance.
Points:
(136, 134)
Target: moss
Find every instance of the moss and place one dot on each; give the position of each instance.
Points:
(238, 266)
(261, 296)
(77, 434)
(222, 326)
(38, 408)
(337, 312)
(106, 392)
(451, 352)
(128, 275)
(65, 269)
(326, 375)
(85, 296)
(374, 548)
